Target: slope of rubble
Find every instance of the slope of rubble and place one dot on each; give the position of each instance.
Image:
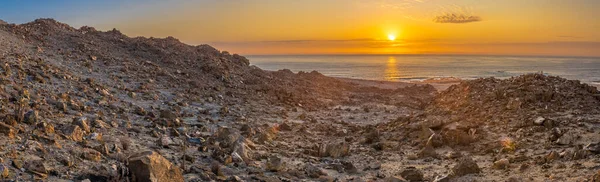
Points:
(81, 104)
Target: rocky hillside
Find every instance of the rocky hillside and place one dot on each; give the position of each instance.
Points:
(81, 104)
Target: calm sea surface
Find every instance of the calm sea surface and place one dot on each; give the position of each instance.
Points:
(422, 67)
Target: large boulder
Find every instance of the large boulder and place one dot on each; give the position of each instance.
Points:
(151, 166)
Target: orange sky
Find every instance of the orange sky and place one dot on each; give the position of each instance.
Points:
(249, 27)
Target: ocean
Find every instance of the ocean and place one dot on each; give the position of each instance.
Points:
(411, 68)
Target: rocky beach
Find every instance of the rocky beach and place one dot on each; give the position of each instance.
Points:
(78, 104)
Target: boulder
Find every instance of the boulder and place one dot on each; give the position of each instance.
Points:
(501, 164)
(275, 163)
(82, 122)
(73, 132)
(335, 150)
(412, 174)
(395, 179)
(7, 130)
(151, 166)
(313, 171)
(31, 117)
(465, 166)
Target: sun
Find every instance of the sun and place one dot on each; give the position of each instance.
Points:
(391, 37)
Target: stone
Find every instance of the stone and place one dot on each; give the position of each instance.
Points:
(247, 131)
(539, 120)
(595, 177)
(167, 114)
(349, 167)
(165, 141)
(151, 166)
(92, 155)
(275, 164)
(7, 130)
(82, 122)
(335, 150)
(412, 174)
(395, 179)
(99, 124)
(566, 139)
(501, 164)
(313, 171)
(140, 111)
(31, 117)
(47, 128)
(285, 127)
(73, 132)
(268, 136)
(62, 106)
(465, 166)
(10, 120)
(36, 166)
(552, 156)
(4, 171)
(428, 151)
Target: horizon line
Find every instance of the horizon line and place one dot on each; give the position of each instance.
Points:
(417, 54)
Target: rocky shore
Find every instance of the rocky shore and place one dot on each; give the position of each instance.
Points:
(86, 105)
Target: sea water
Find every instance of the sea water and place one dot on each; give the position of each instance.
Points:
(432, 67)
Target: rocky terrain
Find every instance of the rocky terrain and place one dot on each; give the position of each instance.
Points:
(86, 105)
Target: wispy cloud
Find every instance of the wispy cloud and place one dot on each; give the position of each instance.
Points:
(456, 18)
(456, 14)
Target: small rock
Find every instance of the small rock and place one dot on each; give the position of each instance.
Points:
(62, 106)
(412, 174)
(501, 164)
(313, 171)
(165, 141)
(82, 122)
(465, 166)
(285, 127)
(247, 131)
(7, 130)
(349, 167)
(73, 132)
(140, 111)
(32, 117)
(566, 139)
(47, 128)
(395, 179)
(37, 166)
(151, 166)
(539, 120)
(335, 150)
(268, 136)
(167, 114)
(552, 156)
(4, 171)
(95, 136)
(10, 120)
(275, 163)
(92, 155)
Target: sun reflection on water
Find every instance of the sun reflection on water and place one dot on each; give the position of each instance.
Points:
(391, 69)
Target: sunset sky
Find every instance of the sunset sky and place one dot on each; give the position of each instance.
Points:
(251, 27)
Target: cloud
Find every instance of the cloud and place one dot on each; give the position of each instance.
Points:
(456, 14)
(456, 18)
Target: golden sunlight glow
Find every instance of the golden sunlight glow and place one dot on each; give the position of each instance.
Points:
(392, 37)
(391, 69)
